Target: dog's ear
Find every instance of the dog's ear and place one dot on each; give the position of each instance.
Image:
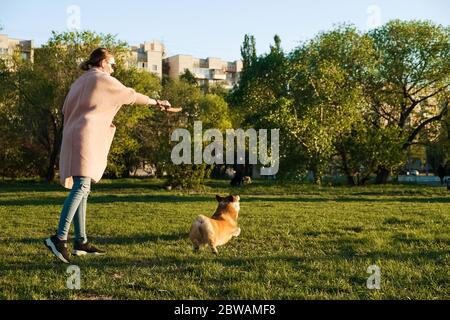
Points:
(234, 198)
(218, 198)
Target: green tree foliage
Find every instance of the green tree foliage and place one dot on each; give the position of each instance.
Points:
(325, 87)
(214, 112)
(438, 151)
(128, 150)
(248, 51)
(345, 99)
(261, 99)
(360, 99)
(211, 109)
(188, 77)
(411, 86)
(263, 80)
(13, 160)
(39, 90)
(366, 147)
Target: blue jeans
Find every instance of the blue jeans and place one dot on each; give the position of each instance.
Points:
(75, 209)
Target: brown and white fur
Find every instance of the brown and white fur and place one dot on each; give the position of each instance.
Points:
(220, 228)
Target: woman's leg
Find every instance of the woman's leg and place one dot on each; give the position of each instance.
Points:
(80, 190)
(79, 221)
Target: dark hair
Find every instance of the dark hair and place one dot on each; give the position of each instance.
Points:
(95, 58)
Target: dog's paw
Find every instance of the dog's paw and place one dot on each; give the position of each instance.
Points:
(237, 232)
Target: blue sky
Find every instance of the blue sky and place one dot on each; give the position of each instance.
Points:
(210, 28)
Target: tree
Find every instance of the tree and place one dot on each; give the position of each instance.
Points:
(438, 151)
(366, 147)
(219, 90)
(214, 112)
(211, 109)
(312, 95)
(13, 155)
(326, 91)
(411, 86)
(350, 96)
(260, 100)
(188, 96)
(263, 80)
(128, 148)
(248, 51)
(188, 77)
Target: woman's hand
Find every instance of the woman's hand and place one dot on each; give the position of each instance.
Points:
(165, 105)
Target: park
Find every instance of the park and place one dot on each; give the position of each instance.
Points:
(316, 155)
(297, 242)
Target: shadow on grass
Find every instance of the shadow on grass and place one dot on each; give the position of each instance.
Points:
(141, 238)
(204, 198)
(12, 187)
(354, 249)
(108, 199)
(188, 263)
(191, 262)
(414, 241)
(125, 240)
(40, 186)
(349, 199)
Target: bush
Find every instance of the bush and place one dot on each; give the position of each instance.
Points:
(187, 175)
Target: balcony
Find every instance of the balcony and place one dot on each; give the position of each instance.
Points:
(218, 75)
(209, 74)
(201, 73)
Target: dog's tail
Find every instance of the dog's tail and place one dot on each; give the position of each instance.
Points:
(202, 226)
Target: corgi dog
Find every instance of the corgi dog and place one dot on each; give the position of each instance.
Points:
(220, 228)
(247, 180)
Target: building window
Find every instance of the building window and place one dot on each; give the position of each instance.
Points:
(155, 67)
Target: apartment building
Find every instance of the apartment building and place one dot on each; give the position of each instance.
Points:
(10, 45)
(148, 56)
(207, 71)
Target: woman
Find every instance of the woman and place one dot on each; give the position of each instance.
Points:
(89, 108)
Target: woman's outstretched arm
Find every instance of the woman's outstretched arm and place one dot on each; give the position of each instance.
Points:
(164, 105)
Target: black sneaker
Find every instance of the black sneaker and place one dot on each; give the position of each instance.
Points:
(81, 249)
(58, 248)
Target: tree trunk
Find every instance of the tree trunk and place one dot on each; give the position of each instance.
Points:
(345, 167)
(50, 176)
(364, 180)
(382, 175)
(317, 178)
(350, 180)
(317, 174)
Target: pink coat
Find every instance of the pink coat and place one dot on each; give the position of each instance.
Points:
(89, 109)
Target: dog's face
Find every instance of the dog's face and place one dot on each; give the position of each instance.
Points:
(229, 201)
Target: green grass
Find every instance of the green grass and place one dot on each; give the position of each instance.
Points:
(297, 242)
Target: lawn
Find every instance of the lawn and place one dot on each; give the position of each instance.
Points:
(297, 242)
